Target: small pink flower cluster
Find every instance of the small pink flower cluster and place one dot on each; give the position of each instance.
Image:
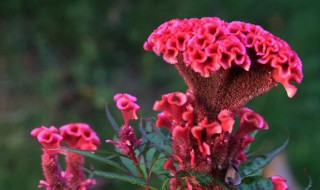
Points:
(127, 137)
(202, 145)
(209, 44)
(77, 136)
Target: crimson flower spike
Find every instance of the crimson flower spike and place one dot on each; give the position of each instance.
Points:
(225, 64)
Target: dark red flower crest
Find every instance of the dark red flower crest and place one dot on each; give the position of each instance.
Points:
(210, 44)
(48, 137)
(80, 136)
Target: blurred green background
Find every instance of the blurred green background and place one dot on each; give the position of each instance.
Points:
(61, 61)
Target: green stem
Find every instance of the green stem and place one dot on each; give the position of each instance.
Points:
(138, 167)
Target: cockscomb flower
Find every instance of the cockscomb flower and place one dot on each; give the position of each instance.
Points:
(279, 183)
(127, 105)
(225, 64)
(50, 140)
(127, 141)
(78, 136)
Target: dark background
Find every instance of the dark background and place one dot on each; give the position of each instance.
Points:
(61, 61)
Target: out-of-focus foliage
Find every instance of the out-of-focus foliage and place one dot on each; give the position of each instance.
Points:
(60, 61)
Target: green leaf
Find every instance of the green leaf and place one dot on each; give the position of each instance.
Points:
(181, 173)
(260, 162)
(130, 165)
(256, 182)
(157, 130)
(164, 185)
(143, 166)
(150, 154)
(204, 179)
(113, 123)
(154, 140)
(157, 167)
(127, 178)
(151, 158)
(96, 157)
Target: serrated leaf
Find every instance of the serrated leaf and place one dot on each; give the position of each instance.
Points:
(113, 123)
(127, 178)
(261, 161)
(256, 182)
(96, 157)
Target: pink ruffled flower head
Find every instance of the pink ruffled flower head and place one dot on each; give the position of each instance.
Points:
(80, 136)
(225, 64)
(48, 137)
(279, 183)
(127, 105)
